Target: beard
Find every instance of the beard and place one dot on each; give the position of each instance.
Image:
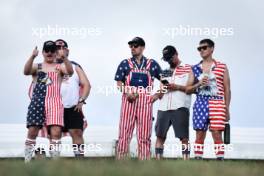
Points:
(172, 65)
(135, 54)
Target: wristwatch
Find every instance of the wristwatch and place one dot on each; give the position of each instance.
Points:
(82, 100)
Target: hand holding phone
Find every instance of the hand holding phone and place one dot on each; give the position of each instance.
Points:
(165, 82)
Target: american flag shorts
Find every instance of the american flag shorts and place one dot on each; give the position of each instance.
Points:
(209, 111)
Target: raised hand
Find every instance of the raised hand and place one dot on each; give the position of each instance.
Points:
(63, 53)
(35, 52)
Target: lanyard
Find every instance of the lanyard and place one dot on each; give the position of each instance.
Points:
(136, 65)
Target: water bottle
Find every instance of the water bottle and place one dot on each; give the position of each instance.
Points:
(227, 134)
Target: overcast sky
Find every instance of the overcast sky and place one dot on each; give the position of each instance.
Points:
(98, 32)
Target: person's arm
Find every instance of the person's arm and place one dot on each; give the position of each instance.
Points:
(176, 87)
(120, 76)
(66, 68)
(159, 93)
(84, 82)
(85, 87)
(191, 87)
(131, 97)
(30, 68)
(157, 69)
(227, 90)
(120, 86)
(157, 74)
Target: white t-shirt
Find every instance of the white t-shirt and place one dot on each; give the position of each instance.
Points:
(70, 90)
(174, 100)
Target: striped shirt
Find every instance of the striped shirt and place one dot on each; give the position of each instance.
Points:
(176, 99)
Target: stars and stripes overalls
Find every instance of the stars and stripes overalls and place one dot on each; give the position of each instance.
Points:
(46, 106)
(138, 113)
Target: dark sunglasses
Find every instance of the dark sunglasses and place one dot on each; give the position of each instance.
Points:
(47, 50)
(134, 46)
(60, 47)
(200, 48)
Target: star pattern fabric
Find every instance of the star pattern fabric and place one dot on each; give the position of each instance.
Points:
(201, 106)
(124, 69)
(200, 114)
(36, 109)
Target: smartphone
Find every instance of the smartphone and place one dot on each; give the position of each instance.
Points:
(165, 82)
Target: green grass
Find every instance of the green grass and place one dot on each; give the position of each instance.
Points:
(67, 167)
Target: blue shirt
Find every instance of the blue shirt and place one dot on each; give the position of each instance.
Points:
(124, 69)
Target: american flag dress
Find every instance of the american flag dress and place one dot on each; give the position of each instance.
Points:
(209, 109)
(46, 106)
(44, 131)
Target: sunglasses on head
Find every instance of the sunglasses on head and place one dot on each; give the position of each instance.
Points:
(134, 46)
(200, 48)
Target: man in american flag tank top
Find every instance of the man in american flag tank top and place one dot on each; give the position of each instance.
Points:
(46, 106)
(211, 82)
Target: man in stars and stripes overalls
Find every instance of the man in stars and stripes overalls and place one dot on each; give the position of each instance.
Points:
(135, 77)
(211, 83)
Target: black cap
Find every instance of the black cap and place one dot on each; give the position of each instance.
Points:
(49, 45)
(168, 52)
(61, 41)
(137, 40)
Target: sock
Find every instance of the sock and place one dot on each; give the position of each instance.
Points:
(78, 150)
(159, 152)
(186, 149)
(29, 149)
(219, 149)
(198, 149)
(55, 148)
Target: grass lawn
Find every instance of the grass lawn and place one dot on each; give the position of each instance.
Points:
(66, 167)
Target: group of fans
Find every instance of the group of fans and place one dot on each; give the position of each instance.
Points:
(60, 87)
(209, 80)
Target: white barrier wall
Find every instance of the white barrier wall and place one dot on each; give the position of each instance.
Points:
(246, 143)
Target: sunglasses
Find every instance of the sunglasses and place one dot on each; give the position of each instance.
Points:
(47, 50)
(200, 48)
(134, 46)
(58, 47)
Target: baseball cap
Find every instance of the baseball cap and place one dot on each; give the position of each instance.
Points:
(61, 42)
(137, 40)
(168, 52)
(49, 46)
